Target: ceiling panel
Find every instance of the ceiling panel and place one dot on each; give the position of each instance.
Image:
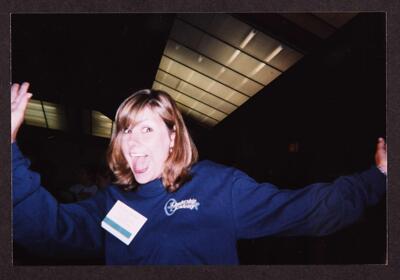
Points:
(203, 82)
(213, 63)
(211, 54)
(192, 103)
(193, 91)
(101, 125)
(285, 59)
(187, 109)
(55, 115)
(45, 114)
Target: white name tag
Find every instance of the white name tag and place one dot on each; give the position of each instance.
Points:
(123, 222)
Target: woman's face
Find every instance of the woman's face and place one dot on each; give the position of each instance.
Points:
(146, 146)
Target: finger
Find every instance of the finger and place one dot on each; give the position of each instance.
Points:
(23, 90)
(24, 102)
(24, 87)
(14, 92)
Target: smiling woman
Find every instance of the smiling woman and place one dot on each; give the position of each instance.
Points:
(142, 147)
(172, 209)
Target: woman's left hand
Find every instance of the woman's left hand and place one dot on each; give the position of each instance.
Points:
(381, 156)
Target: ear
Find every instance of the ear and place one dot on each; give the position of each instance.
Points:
(172, 138)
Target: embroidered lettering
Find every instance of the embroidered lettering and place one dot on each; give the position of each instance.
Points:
(172, 205)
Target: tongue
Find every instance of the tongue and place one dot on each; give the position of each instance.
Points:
(140, 164)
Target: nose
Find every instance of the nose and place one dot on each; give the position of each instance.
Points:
(134, 139)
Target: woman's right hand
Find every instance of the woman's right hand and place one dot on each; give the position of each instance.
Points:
(19, 102)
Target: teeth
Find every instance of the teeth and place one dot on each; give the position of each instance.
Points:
(137, 155)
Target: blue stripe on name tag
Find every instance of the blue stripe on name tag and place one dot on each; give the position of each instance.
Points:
(117, 227)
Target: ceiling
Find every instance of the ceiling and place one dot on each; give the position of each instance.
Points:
(82, 66)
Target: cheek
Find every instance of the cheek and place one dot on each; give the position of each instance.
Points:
(161, 148)
(125, 151)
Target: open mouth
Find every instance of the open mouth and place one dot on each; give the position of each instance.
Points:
(140, 162)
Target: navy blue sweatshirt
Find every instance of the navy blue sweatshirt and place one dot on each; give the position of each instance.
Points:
(198, 224)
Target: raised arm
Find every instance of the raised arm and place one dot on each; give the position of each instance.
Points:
(318, 209)
(40, 223)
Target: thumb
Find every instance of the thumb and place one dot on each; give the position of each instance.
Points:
(381, 145)
(381, 155)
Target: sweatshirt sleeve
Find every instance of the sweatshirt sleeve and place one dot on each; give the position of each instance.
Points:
(316, 210)
(48, 228)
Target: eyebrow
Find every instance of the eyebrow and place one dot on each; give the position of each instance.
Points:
(139, 122)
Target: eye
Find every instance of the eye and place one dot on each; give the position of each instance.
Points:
(127, 131)
(147, 129)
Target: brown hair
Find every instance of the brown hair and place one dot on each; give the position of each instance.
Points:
(181, 158)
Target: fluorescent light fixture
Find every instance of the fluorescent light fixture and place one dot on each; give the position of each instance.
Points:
(178, 84)
(178, 94)
(55, 115)
(34, 114)
(190, 75)
(45, 114)
(274, 53)
(201, 63)
(245, 80)
(257, 69)
(233, 57)
(248, 38)
(210, 85)
(169, 66)
(223, 69)
(181, 86)
(211, 113)
(101, 125)
(228, 97)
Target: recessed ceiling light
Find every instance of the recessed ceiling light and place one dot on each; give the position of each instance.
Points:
(247, 39)
(233, 57)
(274, 53)
(221, 71)
(207, 64)
(257, 69)
(210, 85)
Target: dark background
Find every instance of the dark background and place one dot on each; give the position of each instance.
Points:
(331, 105)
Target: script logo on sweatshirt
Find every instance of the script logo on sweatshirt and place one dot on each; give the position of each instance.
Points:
(172, 205)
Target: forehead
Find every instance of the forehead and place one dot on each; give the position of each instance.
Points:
(144, 115)
(147, 114)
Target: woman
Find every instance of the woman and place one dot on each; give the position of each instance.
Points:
(167, 208)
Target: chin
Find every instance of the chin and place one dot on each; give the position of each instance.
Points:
(146, 177)
(143, 179)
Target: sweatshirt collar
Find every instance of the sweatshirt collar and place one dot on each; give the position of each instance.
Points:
(151, 188)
